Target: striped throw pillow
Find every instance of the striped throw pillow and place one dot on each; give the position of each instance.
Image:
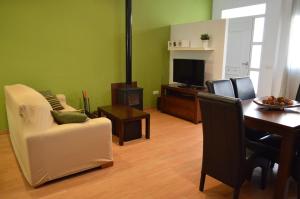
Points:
(52, 99)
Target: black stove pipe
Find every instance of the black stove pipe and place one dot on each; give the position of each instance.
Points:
(128, 42)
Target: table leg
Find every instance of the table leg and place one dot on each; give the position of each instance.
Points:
(148, 127)
(285, 163)
(121, 133)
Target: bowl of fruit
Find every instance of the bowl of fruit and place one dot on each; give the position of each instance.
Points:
(278, 103)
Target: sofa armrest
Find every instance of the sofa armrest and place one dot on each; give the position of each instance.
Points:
(69, 148)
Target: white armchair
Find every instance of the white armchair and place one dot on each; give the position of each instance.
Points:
(47, 151)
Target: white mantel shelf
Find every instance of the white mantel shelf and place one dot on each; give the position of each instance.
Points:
(188, 49)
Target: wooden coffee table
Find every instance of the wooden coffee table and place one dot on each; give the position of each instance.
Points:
(123, 115)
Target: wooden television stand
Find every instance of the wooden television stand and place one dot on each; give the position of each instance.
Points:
(181, 102)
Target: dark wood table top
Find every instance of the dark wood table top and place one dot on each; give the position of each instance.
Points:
(123, 112)
(288, 118)
(285, 123)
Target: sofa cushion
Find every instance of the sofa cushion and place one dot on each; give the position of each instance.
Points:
(52, 99)
(67, 117)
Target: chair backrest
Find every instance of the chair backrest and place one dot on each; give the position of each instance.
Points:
(221, 87)
(298, 94)
(223, 138)
(243, 88)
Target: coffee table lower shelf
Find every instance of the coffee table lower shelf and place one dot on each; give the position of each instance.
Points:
(126, 122)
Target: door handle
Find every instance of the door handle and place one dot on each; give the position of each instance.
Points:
(245, 63)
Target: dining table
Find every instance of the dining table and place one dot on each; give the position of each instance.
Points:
(285, 123)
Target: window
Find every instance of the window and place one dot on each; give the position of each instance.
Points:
(258, 33)
(259, 9)
(255, 56)
(254, 76)
(293, 57)
(257, 42)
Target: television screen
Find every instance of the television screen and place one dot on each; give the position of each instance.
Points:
(189, 71)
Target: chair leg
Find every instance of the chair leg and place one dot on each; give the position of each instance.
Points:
(202, 181)
(236, 193)
(264, 177)
(298, 190)
(249, 174)
(272, 165)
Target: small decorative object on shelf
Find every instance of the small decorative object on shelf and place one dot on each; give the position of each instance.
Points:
(187, 45)
(184, 43)
(170, 44)
(190, 49)
(179, 44)
(205, 38)
(174, 44)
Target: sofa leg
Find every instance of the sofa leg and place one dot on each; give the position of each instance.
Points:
(108, 164)
(202, 181)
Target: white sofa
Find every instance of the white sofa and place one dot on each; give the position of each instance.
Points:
(47, 151)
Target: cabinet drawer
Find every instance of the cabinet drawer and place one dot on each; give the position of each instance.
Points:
(179, 103)
(179, 107)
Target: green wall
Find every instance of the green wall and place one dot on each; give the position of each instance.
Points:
(70, 45)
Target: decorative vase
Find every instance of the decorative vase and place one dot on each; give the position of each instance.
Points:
(205, 44)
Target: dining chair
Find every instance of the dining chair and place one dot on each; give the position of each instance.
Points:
(225, 156)
(298, 94)
(296, 165)
(273, 155)
(243, 88)
(226, 88)
(296, 173)
(221, 87)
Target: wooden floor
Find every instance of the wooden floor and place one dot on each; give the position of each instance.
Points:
(166, 166)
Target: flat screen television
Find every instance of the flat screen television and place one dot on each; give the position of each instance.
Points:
(189, 72)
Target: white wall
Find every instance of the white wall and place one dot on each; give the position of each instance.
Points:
(271, 37)
(214, 63)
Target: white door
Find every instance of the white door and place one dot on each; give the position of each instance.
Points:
(239, 47)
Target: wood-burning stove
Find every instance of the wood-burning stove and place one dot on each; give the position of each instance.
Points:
(128, 93)
(131, 96)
